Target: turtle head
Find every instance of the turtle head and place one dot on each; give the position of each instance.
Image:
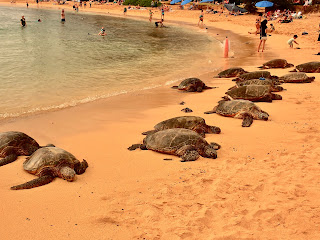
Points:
(210, 152)
(67, 173)
(277, 88)
(289, 65)
(213, 129)
(263, 115)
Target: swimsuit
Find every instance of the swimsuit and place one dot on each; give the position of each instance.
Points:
(23, 22)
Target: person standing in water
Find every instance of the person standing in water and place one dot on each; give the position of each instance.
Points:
(23, 21)
(201, 18)
(63, 16)
(27, 4)
(263, 34)
(150, 15)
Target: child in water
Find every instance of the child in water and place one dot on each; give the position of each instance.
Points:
(102, 32)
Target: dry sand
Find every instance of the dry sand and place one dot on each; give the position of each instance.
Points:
(263, 185)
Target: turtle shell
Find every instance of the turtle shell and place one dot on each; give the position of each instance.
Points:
(268, 82)
(188, 122)
(250, 92)
(255, 75)
(310, 67)
(22, 143)
(231, 72)
(170, 140)
(232, 108)
(277, 63)
(297, 77)
(195, 83)
(48, 157)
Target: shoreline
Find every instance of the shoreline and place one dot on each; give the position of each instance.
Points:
(263, 185)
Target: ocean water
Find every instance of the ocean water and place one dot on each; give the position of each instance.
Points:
(49, 65)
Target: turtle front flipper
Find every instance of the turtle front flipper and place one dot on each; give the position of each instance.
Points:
(8, 159)
(149, 132)
(247, 120)
(188, 153)
(81, 167)
(43, 180)
(214, 110)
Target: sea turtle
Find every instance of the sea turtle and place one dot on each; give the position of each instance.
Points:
(242, 109)
(231, 72)
(181, 142)
(194, 123)
(255, 93)
(48, 163)
(297, 77)
(192, 85)
(309, 67)
(268, 82)
(14, 144)
(277, 63)
(255, 75)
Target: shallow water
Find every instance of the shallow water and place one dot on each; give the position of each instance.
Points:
(51, 65)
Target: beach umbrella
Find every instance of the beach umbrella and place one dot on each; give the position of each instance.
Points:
(264, 4)
(204, 1)
(174, 1)
(185, 2)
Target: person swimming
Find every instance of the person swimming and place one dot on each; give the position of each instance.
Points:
(102, 32)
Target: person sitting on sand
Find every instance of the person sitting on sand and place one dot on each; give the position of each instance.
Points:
(292, 40)
(102, 32)
(159, 22)
(23, 21)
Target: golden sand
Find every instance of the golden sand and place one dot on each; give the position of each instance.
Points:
(263, 185)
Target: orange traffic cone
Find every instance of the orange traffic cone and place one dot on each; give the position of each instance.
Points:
(226, 48)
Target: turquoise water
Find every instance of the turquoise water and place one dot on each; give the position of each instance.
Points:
(51, 65)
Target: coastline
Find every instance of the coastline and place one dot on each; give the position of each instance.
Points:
(261, 186)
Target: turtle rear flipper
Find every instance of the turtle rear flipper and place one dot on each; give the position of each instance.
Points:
(149, 132)
(43, 180)
(247, 120)
(8, 159)
(134, 147)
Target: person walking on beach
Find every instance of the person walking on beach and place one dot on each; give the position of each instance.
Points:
(63, 16)
(125, 11)
(263, 34)
(201, 18)
(23, 21)
(162, 14)
(293, 40)
(150, 15)
(27, 5)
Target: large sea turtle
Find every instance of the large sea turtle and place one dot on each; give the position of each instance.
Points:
(181, 142)
(197, 124)
(231, 72)
(14, 144)
(268, 82)
(309, 67)
(297, 77)
(192, 85)
(242, 109)
(276, 63)
(48, 163)
(255, 93)
(254, 75)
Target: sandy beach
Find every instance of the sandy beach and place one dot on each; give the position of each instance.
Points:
(263, 185)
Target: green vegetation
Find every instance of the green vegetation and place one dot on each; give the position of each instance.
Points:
(141, 3)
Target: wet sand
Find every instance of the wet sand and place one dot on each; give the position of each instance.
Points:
(263, 185)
